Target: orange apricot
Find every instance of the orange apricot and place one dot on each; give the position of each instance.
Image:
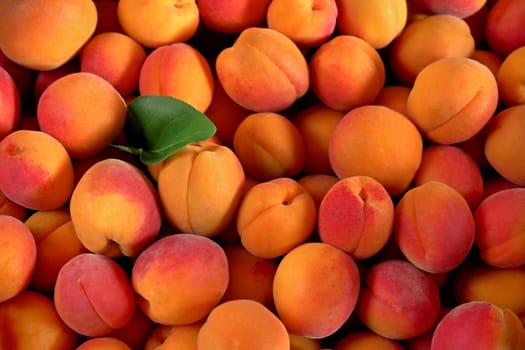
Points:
(242, 324)
(37, 172)
(452, 99)
(379, 142)
(157, 23)
(346, 72)
(511, 78)
(394, 97)
(44, 34)
(317, 185)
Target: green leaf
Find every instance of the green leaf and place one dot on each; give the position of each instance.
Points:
(158, 126)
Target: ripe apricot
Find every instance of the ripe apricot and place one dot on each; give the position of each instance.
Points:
(68, 26)
(500, 26)
(228, 16)
(511, 78)
(10, 103)
(379, 142)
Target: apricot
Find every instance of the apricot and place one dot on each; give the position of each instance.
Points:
(18, 257)
(274, 217)
(269, 146)
(458, 8)
(499, 228)
(37, 172)
(503, 287)
(242, 324)
(157, 23)
(316, 123)
(83, 111)
(503, 19)
(488, 58)
(200, 188)
(479, 325)
(33, 313)
(67, 28)
(251, 277)
(504, 142)
(452, 99)
(346, 72)
(8, 207)
(397, 300)
(115, 57)
(228, 16)
(366, 340)
(277, 69)
(115, 209)
(434, 243)
(166, 67)
(9, 103)
(108, 343)
(511, 78)
(180, 278)
(321, 276)
(93, 295)
(379, 142)
(56, 243)
(432, 37)
(356, 215)
(308, 23)
(378, 22)
(452, 166)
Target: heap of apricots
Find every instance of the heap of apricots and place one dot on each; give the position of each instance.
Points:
(364, 189)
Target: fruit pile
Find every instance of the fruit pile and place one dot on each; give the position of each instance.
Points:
(267, 174)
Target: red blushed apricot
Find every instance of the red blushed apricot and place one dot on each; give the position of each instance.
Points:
(476, 281)
(93, 295)
(454, 167)
(251, 277)
(317, 185)
(379, 142)
(232, 17)
(274, 217)
(200, 188)
(67, 28)
(500, 225)
(503, 19)
(479, 325)
(366, 340)
(83, 111)
(316, 124)
(378, 22)
(452, 99)
(225, 114)
(37, 172)
(489, 59)
(9, 103)
(277, 70)
(157, 23)
(115, 57)
(346, 72)
(242, 324)
(356, 215)
(115, 209)
(108, 343)
(32, 313)
(394, 97)
(8, 207)
(321, 276)
(459, 8)
(166, 67)
(397, 300)
(435, 244)
(18, 257)
(504, 144)
(56, 243)
(180, 278)
(511, 78)
(269, 146)
(307, 22)
(433, 37)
